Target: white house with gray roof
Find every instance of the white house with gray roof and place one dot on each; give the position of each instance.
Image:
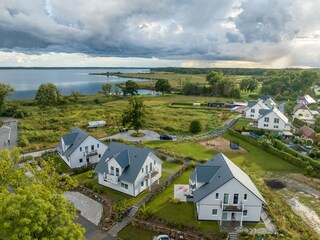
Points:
(273, 120)
(254, 108)
(78, 148)
(221, 191)
(128, 169)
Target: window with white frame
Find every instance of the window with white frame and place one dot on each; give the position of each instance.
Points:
(245, 197)
(275, 126)
(276, 120)
(245, 212)
(142, 183)
(226, 198)
(253, 110)
(266, 119)
(215, 212)
(80, 160)
(124, 185)
(217, 195)
(117, 172)
(265, 125)
(112, 170)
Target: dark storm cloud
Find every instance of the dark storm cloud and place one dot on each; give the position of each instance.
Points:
(181, 29)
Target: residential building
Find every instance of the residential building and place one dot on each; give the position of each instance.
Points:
(223, 192)
(307, 132)
(128, 169)
(77, 148)
(302, 112)
(305, 99)
(254, 108)
(268, 101)
(273, 120)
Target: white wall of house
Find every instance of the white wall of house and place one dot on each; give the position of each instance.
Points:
(141, 183)
(207, 207)
(303, 114)
(253, 112)
(80, 156)
(272, 121)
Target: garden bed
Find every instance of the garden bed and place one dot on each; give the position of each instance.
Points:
(220, 144)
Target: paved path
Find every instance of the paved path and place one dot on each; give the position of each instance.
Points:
(267, 221)
(8, 132)
(92, 231)
(149, 135)
(89, 208)
(39, 153)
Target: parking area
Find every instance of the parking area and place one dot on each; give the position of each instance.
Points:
(148, 135)
(8, 133)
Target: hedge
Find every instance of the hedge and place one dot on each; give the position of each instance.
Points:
(272, 150)
(282, 147)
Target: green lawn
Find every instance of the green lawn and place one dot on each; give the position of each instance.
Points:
(182, 149)
(60, 163)
(116, 195)
(243, 122)
(171, 166)
(183, 213)
(131, 232)
(164, 176)
(257, 160)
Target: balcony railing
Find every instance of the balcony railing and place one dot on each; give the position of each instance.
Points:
(111, 178)
(152, 174)
(91, 153)
(232, 207)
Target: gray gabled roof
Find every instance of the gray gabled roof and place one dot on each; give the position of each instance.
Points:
(251, 104)
(73, 139)
(227, 170)
(130, 158)
(264, 112)
(204, 174)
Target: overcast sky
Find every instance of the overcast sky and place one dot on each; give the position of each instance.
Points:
(187, 33)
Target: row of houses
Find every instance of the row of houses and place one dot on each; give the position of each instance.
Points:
(266, 115)
(220, 190)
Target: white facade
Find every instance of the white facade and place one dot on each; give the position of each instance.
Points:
(150, 173)
(274, 120)
(304, 114)
(253, 112)
(239, 205)
(89, 151)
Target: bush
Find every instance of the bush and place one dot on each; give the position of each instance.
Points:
(195, 126)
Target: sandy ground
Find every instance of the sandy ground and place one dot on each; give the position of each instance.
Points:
(220, 144)
(307, 214)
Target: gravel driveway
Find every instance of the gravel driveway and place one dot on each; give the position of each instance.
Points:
(8, 131)
(89, 208)
(149, 135)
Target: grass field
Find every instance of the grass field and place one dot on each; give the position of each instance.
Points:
(131, 232)
(182, 149)
(44, 127)
(257, 160)
(182, 213)
(171, 166)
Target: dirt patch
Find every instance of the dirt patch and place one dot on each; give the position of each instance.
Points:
(274, 184)
(307, 214)
(220, 144)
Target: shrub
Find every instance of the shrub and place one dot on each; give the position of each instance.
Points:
(23, 141)
(91, 174)
(195, 126)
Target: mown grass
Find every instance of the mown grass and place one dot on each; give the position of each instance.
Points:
(131, 232)
(64, 168)
(171, 166)
(191, 150)
(44, 127)
(257, 160)
(183, 213)
(164, 176)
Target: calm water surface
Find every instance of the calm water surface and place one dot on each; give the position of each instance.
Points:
(27, 81)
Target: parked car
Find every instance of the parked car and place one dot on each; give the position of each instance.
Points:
(167, 137)
(163, 237)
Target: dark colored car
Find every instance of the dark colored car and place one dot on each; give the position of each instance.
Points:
(165, 137)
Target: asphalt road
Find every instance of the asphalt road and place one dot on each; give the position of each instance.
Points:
(8, 132)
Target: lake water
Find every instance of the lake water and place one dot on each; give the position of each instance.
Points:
(27, 81)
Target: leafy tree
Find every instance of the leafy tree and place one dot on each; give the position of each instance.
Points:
(163, 85)
(135, 115)
(47, 94)
(106, 89)
(215, 78)
(75, 95)
(32, 205)
(249, 84)
(131, 88)
(5, 91)
(195, 126)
